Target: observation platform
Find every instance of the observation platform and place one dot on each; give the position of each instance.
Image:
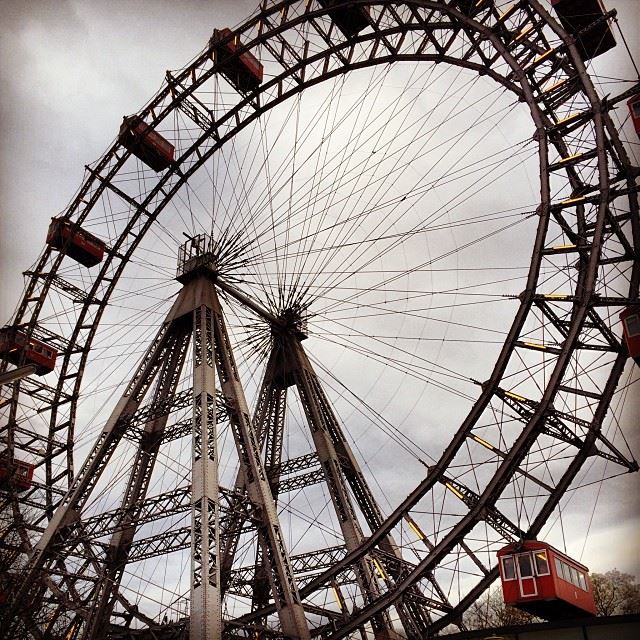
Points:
(198, 256)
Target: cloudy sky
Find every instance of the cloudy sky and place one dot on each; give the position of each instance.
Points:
(71, 69)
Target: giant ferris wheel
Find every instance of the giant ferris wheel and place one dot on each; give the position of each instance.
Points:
(334, 318)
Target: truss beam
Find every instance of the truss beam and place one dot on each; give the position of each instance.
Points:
(283, 586)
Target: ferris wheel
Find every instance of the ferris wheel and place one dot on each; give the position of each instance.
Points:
(334, 319)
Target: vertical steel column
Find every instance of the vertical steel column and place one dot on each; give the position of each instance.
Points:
(206, 602)
(63, 524)
(342, 470)
(283, 587)
(117, 554)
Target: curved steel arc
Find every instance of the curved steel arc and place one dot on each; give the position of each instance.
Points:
(581, 305)
(103, 182)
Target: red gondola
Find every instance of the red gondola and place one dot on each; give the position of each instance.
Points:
(631, 328)
(577, 16)
(17, 349)
(15, 472)
(634, 110)
(245, 72)
(78, 244)
(145, 143)
(545, 582)
(351, 20)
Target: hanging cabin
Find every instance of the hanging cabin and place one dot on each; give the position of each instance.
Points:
(634, 111)
(17, 349)
(15, 472)
(77, 243)
(146, 143)
(350, 19)
(631, 330)
(585, 20)
(244, 72)
(539, 579)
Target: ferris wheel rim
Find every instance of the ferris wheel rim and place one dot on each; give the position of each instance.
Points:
(524, 310)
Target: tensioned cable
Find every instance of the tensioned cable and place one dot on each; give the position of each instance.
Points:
(398, 436)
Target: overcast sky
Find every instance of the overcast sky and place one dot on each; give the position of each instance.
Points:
(71, 69)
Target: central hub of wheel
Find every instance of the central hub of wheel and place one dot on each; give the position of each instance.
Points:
(291, 321)
(204, 255)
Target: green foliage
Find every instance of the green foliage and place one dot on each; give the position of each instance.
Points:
(615, 593)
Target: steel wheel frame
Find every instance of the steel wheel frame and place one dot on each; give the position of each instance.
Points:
(526, 76)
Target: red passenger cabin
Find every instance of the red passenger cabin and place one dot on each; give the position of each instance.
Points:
(350, 19)
(634, 111)
(15, 472)
(585, 20)
(545, 582)
(244, 72)
(631, 328)
(17, 349)
(77, 243)
(145, 143)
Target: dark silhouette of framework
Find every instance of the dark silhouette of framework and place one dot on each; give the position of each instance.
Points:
(197, 317)
(598, 217)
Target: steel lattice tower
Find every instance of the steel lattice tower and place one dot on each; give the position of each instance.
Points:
(265, 266)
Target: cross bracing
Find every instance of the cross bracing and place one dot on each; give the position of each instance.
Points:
(541, 399)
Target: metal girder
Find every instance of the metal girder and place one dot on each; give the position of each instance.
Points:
(134, 424)
(31, 439)
(242, 580)
(300, 463)
(562, 323)
(283, 586)
(301, 481)
(44, 393)
(164, 407)
(166, 542)
(493, 517)
(341, 469)
(206, 588)
(165, 505)
(161, 544)
(192, 107)
(75, 294)
(323, 431)
(556, 427)
(118, 549)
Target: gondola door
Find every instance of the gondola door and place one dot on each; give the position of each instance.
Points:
(526, 575)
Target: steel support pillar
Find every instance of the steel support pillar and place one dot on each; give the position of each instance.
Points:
(341, 471)
(297, 366)
(283, 587)
(206, 600)
(117, 554)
